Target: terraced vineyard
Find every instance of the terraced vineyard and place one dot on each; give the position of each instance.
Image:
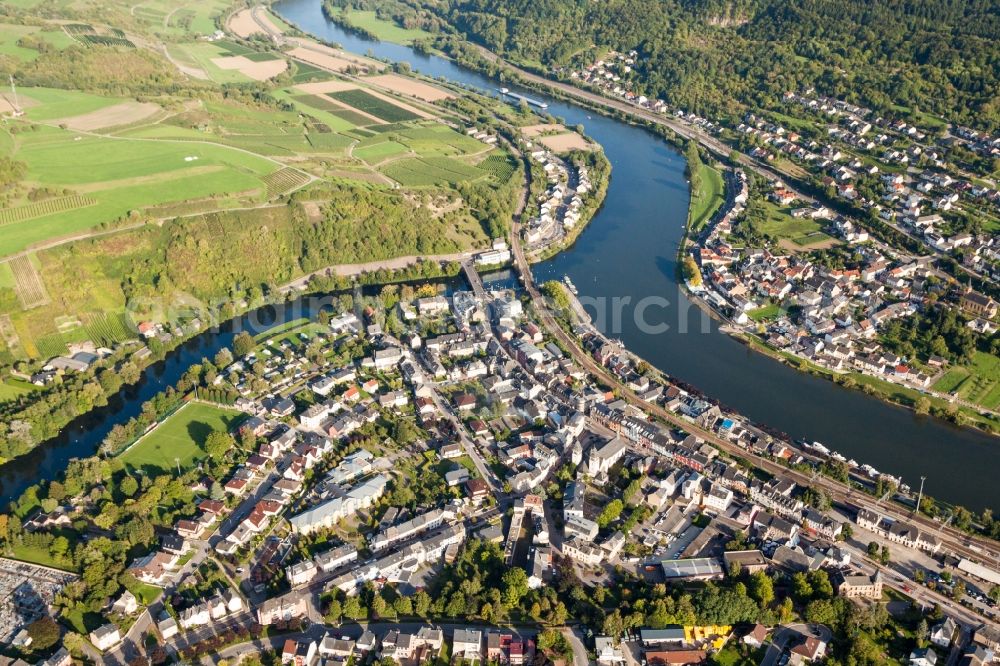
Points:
(499, 166)
(28, 283)
(108, 329)
(105, 40)
(41, 208)
(79, 28)
(284, 180)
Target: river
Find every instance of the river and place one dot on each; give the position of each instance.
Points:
(628, 252)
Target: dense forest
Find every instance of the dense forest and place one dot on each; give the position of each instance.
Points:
(715, 56)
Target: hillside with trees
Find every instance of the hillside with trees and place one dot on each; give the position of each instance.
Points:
(715, 58)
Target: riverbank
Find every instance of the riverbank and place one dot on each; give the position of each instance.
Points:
(923, 403)
(627, 258)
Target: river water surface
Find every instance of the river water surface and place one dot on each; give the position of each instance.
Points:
(628, 252)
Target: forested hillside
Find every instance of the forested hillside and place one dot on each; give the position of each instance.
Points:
(714, 56)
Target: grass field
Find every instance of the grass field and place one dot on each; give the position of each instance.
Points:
(978, 382)
(291, 333)
(379, 151)
(38, 556)
(707, 198)
(117, 175)
(180, 439)
(12, 388)
(384, 30)
(144, 592)
(797, 233)
(178, 18)
(54, 103)
(766, 313)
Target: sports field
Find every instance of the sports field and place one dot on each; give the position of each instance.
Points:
(181, 438)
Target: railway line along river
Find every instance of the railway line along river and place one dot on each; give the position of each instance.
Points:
(628, 252)
(625, 261)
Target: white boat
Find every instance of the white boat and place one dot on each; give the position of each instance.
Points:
(569, 285)
(852, 463)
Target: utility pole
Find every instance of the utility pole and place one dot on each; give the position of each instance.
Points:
(920, 495)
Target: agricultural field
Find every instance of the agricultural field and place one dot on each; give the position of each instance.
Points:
(44, 207)
(108, 329)
(90, 229)
(500, 166)
(178, 19)
(978, 382)
(437, 140)
(431, 172)
(368, 103)
(205, 56)
(180, 439)
(376, 152)
(115, 175)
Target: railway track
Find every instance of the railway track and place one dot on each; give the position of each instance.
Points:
(952, 540)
